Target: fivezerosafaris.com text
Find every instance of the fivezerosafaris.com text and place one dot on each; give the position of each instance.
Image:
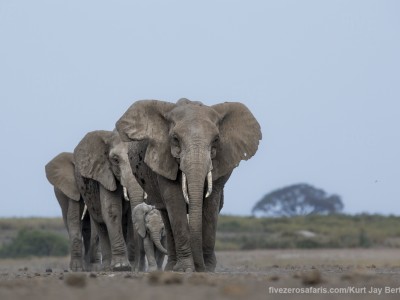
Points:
(335, 290)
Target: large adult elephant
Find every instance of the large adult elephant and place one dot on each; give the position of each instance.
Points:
(183, 154)
(106, 182)
(60, 173)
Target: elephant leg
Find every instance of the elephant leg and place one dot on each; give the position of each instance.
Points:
(211, 208)
(210, 219)
(176, 208)
(134, 245)
(111, 207)
(86, 234)
(75, 235)
(139, 262)
(104, 245)
(159, 260)
(130, 244)
(63, 200)
(149, 250)
(70, 211)
(95, 251)
(170, 242)
(142, 256)
(136, 257)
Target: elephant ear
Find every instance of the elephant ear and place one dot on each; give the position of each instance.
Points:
(146, 120)
(239, 133)
(91, 158)
(60, 172)
(139, 213)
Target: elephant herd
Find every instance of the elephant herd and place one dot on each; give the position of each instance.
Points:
(153, 186)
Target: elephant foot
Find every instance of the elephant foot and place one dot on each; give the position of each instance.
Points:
(210, 268)
(152, 268)
(76, 265)
(201, 268)
(97, 267)
(120, 265)
(210, 262)
(106, 268)
(170, 265)
(184, 265)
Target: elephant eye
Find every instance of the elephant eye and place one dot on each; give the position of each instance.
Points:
(175, 145)
(115, 160)
(175, 140)
(214, 146)
(213, 152)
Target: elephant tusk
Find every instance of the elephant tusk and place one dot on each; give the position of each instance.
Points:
(184, 188)
(126, 194)
(209, 184)
(145, 196)
(84, 212)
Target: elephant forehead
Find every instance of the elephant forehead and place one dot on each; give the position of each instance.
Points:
(155, 222)
(192, 112)
(202, 129)
(193, 121)
(153, 215)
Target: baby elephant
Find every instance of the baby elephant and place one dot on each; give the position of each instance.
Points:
(149, 224)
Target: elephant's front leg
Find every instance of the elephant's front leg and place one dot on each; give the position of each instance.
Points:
(86, 233)
(171, 262)
(105, 246)
(111, 207)
(129, 238)
(149, 250)
(211, 208)
(75, 235)
(210, 218)
(176, 208)
(95, 254)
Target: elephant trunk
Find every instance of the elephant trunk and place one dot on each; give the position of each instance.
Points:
(135, 192)
(135, 195)
(155, 237)
(198, 168)
(131, 189)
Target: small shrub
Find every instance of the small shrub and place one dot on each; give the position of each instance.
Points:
(230, 226)
(35, 243)
(364, 240)
(307, 243)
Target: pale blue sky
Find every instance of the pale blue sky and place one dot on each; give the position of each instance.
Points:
(322, 78)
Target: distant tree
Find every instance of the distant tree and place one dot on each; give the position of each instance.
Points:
(298, 199)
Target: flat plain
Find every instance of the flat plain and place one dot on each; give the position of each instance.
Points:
(258, 274)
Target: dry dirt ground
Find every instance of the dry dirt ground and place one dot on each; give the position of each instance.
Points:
(270, 274)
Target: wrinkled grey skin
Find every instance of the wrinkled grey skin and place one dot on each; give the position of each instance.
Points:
(150, 226)
(60, 173)
(102, 170)
(169, 140)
